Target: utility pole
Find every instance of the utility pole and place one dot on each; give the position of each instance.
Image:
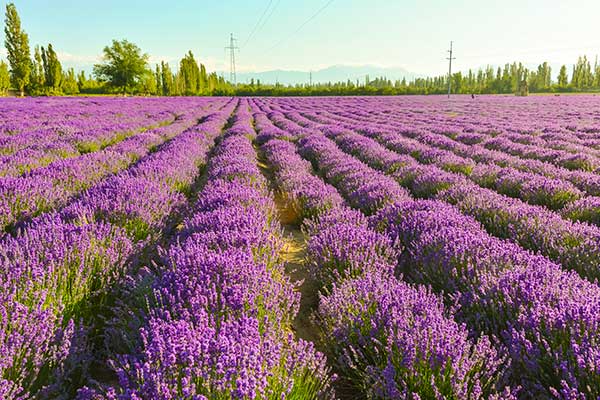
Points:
(450, 69)
(232, 48)
(310, 78)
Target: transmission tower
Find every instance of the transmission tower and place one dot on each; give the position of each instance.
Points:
(450, 69)
(232, 48)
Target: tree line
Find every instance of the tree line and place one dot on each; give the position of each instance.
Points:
(125, 70)
(509, 79)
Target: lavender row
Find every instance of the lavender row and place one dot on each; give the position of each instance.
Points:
(364, 188)
(544, 142)
(34, 157)
(546, 317)
(571, 120)
(55, 269)
(86, 124)
(374, 326)
(574, 245)
(366, 311)
(565, 159)
(51, 187)
(305, 194)
(221, 327)
(533, 188)
(465, 145)
(42, 154)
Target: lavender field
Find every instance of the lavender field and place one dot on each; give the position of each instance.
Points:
(300, 248)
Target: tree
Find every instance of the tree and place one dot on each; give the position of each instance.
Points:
(596, 74)
(52, 70)
(166, 79)
(37, 78)
(17, 47)
(81, 80)
(147, 84)
(124, 65)
(189, 73)
(69, 82)
(582, 74)
(158, 78)
(88, 85)
(563, 79)
(203, 79)
(4, 78)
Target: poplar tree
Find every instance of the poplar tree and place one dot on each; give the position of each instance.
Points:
(166, 79)
(189, 74)
(596, 73)
(17, 46)
(37, 78)
(158, 78)
(563, 79)
(203, 79)
(81, 80)
(4, 78)
(52, 69)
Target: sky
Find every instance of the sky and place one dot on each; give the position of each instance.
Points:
(313, 34)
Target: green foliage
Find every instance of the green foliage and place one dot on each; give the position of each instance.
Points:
(37, 78)
(168, 86)
(4, 78)
(69, 83)
(89, 85)
(589, 214)
(582, 74)
(158, 79)
(190, 74)
(124, 66)
(147, 84)
(563, 79)
(52, 70)
(512, 78)
(192, 79)
(17, 47)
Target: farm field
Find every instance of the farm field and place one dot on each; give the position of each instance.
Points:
(300, 248)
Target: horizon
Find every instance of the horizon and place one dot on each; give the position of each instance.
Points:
(320, 30)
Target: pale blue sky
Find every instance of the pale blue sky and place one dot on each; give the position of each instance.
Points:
(409, 34)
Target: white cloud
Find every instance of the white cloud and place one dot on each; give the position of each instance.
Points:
(80, 59)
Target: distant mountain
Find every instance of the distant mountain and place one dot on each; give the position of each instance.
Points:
(334, 73)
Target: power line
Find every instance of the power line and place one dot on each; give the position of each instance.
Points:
(257, 24)
(450, 69)
(232, 48)
(270, 15)
(315, 15)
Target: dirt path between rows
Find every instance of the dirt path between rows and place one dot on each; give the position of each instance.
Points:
(293, 254)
